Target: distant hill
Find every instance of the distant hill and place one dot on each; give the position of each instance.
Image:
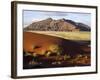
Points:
(50, 24)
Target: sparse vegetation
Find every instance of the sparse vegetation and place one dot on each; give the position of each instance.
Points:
(54, 54)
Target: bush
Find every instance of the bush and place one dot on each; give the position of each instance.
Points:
(54, 48)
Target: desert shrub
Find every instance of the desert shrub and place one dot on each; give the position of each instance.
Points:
(48, 53)
(54, 48)
(66, 57)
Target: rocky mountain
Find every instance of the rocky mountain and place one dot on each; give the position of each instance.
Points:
(50, 24)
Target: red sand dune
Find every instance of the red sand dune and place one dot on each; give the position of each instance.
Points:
(44, 41)
(41, 41)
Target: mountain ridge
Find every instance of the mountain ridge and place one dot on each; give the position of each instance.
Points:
(50, 24)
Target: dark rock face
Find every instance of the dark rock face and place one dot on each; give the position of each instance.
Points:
(83, 27)
(50, 24)
(80, 26)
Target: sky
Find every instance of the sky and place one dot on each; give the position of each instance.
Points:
(30, 16)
